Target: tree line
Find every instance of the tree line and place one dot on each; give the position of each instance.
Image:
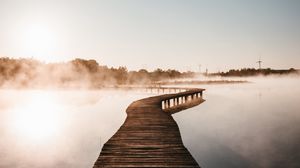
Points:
(25, 72)
(255, 72)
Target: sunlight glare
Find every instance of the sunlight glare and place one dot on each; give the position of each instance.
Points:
(38, 119)
(39, 40)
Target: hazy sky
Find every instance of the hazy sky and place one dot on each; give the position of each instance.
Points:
(154, 33)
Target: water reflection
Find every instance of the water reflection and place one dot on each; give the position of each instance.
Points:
(38, 118)
(59, 129)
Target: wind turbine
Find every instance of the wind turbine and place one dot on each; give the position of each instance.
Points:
(259, 63)
(199, 66)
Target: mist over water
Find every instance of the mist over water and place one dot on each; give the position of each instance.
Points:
(245, 125)
(60, 129)
(252, 124)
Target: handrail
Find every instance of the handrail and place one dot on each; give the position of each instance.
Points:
(172, 103)
(181, 101)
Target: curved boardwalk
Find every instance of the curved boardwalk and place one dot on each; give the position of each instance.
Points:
(150, 136)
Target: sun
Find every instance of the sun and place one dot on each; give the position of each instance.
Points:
(39, 41)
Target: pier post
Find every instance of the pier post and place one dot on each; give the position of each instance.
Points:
(166, 102)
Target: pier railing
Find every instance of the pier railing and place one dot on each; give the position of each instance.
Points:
(180, 101)
(172, 99)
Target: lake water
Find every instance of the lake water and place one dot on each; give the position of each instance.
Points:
(61, 129)
(245, 125)
(239, 125)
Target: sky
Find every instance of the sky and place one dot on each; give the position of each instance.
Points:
(180, 34)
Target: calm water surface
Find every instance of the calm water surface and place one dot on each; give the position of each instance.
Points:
(61, 129)
(240, 125)
(245, 125)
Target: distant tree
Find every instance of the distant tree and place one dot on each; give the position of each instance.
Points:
(121, 75)
(82, 65)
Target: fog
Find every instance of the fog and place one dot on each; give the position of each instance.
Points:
(76, 74)
(245, 125)
(253, 124)
(59, 129)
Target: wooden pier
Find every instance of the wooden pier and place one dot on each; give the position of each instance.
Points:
(150, 136)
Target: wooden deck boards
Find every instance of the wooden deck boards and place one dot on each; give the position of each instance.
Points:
(149, 137)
